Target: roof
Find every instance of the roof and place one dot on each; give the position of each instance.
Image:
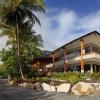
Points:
(94, 32)
(43, 60)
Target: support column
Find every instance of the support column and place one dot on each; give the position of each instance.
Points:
(64, 55)
(38, 65)
(82, 52)
(91, 49)
(75, 67)
(46, 70)
(91, 67)
(53, 60)
(95, 69)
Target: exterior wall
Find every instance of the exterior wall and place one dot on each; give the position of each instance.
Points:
(91, 56)
(76, 60)
(80, 53)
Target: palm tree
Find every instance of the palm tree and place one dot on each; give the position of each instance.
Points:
(14, 13)
(29, 48)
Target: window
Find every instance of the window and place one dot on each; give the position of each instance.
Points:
(88, 49)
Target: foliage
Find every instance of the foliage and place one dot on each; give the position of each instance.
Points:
(74, 77)
(20, 9)
(95, 76)
(9, 62)
(3, 73)
(28, 52)
(42, 79)
(69, 77)
(16, 21)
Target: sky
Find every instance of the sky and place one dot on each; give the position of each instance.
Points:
(66, 20)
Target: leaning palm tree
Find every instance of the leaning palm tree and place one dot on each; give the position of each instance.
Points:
(14, 13)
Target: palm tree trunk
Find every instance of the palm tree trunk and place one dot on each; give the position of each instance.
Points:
(18, 50)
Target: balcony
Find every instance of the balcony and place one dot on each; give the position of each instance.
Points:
(90, 57)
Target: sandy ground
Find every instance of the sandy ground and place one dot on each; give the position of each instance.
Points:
(17, 93)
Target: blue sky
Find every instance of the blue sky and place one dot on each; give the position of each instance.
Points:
(66, 20)
(80, 6)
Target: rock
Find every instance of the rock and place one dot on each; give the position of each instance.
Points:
(97, 91)
(96, 85)
(65, 87)
(37, 86)
(12, 82)
(19, 85)
(82, 88)
(26, 85)
(48, 88)
(30, 85)
(99, 86)
(52, 83)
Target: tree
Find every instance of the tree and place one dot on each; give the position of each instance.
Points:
(29, 48)
(14, 13)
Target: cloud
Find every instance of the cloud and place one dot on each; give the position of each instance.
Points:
(90, 22)
(55, 28)
(62, 26)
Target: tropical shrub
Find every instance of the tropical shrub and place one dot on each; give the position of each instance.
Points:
(95, 76)
(69, 77)
(42, 79)
(75, 77)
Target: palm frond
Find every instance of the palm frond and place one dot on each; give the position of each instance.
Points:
(8, 32)
(32, 17)
(3, 25)
(36, 5)
(11, 42)
(23, 13)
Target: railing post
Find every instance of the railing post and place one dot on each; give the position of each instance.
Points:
(91, 67)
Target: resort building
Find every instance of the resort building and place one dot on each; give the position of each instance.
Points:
(81, 55)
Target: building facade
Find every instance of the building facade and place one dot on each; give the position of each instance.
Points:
(81, 55)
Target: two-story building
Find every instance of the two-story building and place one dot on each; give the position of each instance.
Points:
(81, 54)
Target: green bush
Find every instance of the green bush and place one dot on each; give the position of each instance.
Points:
(69, 77)
(95, 76)
(42, 79)
(72, 77)
(75, 77)
(3, 73)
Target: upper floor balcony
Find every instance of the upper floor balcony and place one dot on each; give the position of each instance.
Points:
(77, 52)
(90, 57)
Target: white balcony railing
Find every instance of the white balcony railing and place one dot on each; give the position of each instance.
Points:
(78, 58)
